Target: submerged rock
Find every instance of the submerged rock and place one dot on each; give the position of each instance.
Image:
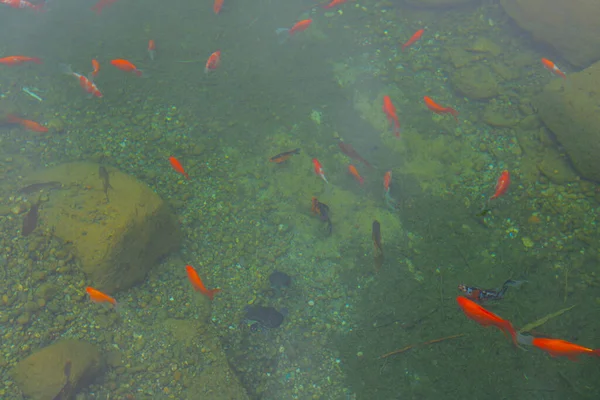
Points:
(280, 280)
(266, 316)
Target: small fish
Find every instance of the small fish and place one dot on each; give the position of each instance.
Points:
(378, 248)
(319, 169)
(178, 167)
(213, 62)
(22, 4)
(86, 84)
(217, 5)
(550, 66)
(18, 60)
(334, 3)
(436, 108)
(31, 219)
(25, 123)
(95, 68)
(103, 173)
(354, 172)
(322, 210)
(282, 157)
(32, 94)
(127, 66)
(481, 295)
(348, 150)
(198, 284)
(98, 297)
(97, 8)
(297, 27)
(486, 318)
(151, 49)
(502, 185)
(562, 348)
(390, 112)
(416, 36)
(387, 184)
(36, 187)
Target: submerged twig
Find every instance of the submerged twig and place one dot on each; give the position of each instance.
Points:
(402, 350)
(531, 326)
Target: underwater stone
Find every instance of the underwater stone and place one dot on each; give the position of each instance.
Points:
(266, 316)
(280, 280)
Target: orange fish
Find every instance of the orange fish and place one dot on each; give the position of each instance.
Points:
(416, 36)
(486, 318)
(352, 169)
(502, 184)
(22, 4)
(18, 60)
(436, 108)
(550, 66)
(96, 67)
(335, 3)
(98, 297)
(387, 182)
(178, 167)
(319, 169)
(282, 157)
(151, 49)
(101, 4)
(126, 66)
(298, 27)
(87, 85)
(213, 61)
(562, 348)
(390, 112)
(217, 5)
(198, 284)
(25, 123)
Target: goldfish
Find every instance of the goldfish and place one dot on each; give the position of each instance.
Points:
(25, 123)
(334, 3)
(197, 283)
(297, 27)
(178, 167)
(22, 4)
(213, 61)
(378, 248)
(550, 66)
(390, 113)
(322, 210)
(319, 169)
(18, 60)
(97, 8)
(502, 185)
(387, 183)
(486, 318)
(95, 67)
(282, 157)
(354, 172)
(562, 348)
(98, 297)
(126, 66)
(438, 109)
(86, 84)
(151, 49)
(416, 36)
(217, 5)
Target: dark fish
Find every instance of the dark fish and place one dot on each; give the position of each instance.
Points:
(282, 157)
(280, 280)
(322, 210)
(348, 150)
(376, 235)
(105, 180)
(266, 316)
(36, 187)
(64, 391)
(30, 220)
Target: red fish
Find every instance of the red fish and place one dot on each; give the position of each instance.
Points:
(486, 318)
(25, 123)
(178, 167)
(387, 182)
(562, 348)
(390, 113)
(96, 68)
(98, 297)
(87, 85)
(335, 3)
(213, 62)
(550, 66)
(438, 109)
(217, 5)
(416, 36)
(151, 49)
(101, 4)
(352, 169)
(125, 65)
(22, 4)
(319, 169)
(198, 284)
(297, 27)
(502, 184)
(18, 60)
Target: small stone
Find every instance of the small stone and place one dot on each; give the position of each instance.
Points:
(23, 319)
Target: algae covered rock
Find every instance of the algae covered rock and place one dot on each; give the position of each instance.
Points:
(41, 376)
(118, 234)
(571, 27)
(475, 82)
(570, 111)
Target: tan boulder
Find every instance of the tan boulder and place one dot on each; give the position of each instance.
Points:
(571, 27)
(41, 376)
(116, 238)
(476, 82)
(570, 110)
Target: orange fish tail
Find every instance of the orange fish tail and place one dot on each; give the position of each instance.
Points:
(13, 119)
(596, 352)
(508, 330)
(211, 293)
